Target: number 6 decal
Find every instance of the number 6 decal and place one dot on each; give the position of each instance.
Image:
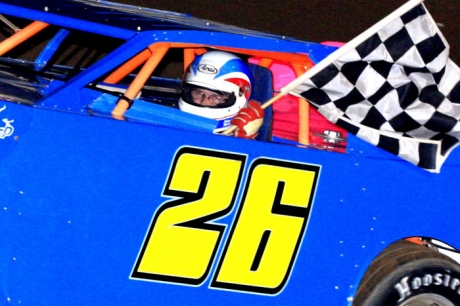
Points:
(269, 227)
(264, 239)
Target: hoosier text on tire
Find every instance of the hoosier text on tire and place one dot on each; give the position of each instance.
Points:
(407, 274)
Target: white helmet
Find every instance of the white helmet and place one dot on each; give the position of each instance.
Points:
(227, 80)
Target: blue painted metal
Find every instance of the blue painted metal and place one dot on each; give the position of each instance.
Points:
(50, 49)
(79, 191)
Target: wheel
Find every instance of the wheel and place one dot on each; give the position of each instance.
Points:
(407, 274)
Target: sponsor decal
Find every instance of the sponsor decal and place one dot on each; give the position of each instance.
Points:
(7, 129)
(207, 69)
(407, 285)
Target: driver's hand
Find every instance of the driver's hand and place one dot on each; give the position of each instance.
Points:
(248, 120)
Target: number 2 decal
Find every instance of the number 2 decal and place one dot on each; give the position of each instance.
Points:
(264, 239)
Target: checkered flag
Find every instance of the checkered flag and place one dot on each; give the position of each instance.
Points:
(393, 86)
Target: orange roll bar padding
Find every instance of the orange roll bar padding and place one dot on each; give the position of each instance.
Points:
(191, 50)
(265, 62)
(139, 81)
(189, 55)
(158, 50)
(21, 36)
(301, 59)
(304, 110)
(294, 58)
(128, 67)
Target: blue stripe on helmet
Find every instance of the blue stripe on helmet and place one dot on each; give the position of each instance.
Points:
(196, 63)
(233, 65)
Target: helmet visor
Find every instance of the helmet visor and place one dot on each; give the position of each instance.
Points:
(205, 97)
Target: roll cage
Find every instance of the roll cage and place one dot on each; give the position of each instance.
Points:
(140, 72)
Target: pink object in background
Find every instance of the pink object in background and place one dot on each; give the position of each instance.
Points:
(323, 134)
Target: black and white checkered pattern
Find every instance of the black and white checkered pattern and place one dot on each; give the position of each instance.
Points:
(397, 90)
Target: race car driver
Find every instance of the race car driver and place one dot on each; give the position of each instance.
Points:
(217, 85)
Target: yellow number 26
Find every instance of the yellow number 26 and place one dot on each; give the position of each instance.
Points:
(264, 238)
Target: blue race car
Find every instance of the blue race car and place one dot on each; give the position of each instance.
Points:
(110, 202)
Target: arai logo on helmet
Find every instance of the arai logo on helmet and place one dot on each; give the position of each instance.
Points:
(208, 69)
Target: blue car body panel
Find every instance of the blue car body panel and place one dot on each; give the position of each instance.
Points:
(82, 192)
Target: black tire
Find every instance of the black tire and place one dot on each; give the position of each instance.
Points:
(409, 274)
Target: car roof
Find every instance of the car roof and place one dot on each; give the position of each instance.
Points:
(115, 19)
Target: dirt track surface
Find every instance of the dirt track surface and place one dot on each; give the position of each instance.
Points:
(312, 20)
